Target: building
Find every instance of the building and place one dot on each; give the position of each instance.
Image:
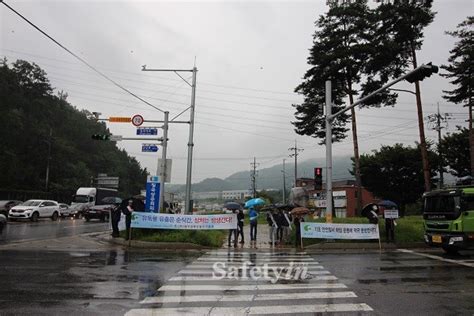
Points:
(344, 195)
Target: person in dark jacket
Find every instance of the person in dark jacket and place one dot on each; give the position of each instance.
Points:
(240, 221)
(280, 219)
(297, 220)
(128, 217)
(253, 216)
(115, 217)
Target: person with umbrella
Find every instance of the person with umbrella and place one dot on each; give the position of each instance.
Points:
(240, 225)
(253, 216)
(273, 225)
(389, 222)
(232, 233)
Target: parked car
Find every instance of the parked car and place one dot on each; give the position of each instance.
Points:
(102, 211)
(6, 205)
(77, 210)
(34, 209)
(64, 210)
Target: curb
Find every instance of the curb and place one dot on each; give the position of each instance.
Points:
(363, 246)
(168, 246)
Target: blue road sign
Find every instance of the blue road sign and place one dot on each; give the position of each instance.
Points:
(152, 202)
(149, 147)
(147, 131)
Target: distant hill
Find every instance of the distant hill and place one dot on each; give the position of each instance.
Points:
(271, 178)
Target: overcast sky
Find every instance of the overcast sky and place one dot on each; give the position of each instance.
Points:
(250, 56)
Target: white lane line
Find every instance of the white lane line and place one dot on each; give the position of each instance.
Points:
(270, 271)
(258, 260)
(257, 253)
(259, 287)
(262, 310)
(471, 265)
(231, 278)
(210, 267)
(246, 298)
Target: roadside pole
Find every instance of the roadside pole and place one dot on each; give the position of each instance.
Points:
(162, 169)
(188, 206)
(328, 152)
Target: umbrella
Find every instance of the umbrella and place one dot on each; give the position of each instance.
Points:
(254, 202)
(232, 206)
(387, 204)
(369, 207)
(299, 211)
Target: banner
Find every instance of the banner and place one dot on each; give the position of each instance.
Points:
(339, 231)
(178, 221)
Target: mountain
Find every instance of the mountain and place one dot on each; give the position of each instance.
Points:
(271, 178)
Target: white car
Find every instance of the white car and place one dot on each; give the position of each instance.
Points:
(64, 210)
(34, 209)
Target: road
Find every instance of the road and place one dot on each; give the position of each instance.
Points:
(112, 281)
(46, 229)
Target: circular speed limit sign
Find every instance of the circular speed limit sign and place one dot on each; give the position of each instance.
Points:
(137, 120)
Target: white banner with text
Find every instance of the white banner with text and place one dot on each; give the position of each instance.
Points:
(339, 231)
(178, 221)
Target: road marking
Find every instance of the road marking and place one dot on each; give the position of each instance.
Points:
(256, 287)
(231, 278)
(256, 310)
(471, 265)
(270, 271)
(259, 259)
(246, 298)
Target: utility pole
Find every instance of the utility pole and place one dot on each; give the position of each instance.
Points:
(253, 177)
(48, 161)
(188, 206)
(284, 182)
(436, 120)
(162, 169)
(295, 154)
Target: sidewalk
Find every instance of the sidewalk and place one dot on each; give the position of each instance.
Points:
(263, 239)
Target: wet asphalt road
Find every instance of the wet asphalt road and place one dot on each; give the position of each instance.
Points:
(46, 228)
(113, 281)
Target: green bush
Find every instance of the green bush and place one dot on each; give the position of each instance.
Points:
(208, 238)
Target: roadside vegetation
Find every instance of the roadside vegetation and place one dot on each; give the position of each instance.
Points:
(207, 238)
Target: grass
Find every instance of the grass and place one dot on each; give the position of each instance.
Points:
(208, 238)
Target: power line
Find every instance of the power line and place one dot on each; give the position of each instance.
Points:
(81, 59)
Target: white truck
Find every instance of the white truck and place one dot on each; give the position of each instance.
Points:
(89, 197)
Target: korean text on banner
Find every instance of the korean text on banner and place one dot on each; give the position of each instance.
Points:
(177, 221)
(339, 231)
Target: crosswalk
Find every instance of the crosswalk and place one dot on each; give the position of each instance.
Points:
(252, 283)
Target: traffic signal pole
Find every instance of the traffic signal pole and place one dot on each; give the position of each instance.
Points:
(416, 74)
(162, 168)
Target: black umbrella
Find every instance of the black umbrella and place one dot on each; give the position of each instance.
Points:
(232, 206)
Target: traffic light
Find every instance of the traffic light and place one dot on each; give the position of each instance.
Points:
(423, 72)
(318, 178)
(100, 137)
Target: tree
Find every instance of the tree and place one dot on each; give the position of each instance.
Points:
(460, 70)
(394, 173)
(29, 111)
(456, 152)
(343, 51)
(400, 27)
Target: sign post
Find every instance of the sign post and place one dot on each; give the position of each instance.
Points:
(152, 202)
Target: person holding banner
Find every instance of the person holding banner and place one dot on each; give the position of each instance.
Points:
(273, 226)
(297, 220)
(128, 217)
(240, 225)
(233, 233)
(253, 216)
(286, 226)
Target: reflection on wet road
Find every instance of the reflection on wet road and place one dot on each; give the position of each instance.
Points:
(46, 228)
(118, 282)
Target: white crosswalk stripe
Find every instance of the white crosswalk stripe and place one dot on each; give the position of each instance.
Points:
(293, 283)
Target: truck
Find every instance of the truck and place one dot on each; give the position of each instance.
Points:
(87, 197)
(448, 218)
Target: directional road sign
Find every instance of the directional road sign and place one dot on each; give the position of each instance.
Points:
(149, 147)
(147, 131)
